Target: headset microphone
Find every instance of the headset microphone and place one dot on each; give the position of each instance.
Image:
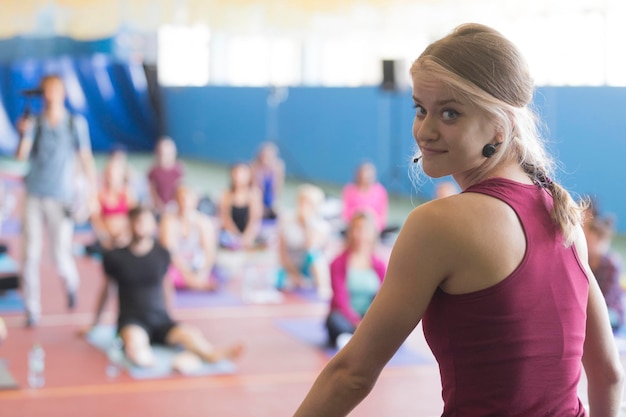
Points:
(416, 159)
(490, 149)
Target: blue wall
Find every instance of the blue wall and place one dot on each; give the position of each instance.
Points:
(324, 133)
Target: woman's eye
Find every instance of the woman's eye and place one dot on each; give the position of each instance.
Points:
(419, 110)
(449, 114)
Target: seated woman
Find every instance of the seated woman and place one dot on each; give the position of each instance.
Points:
(302, 237)
(268, 173)
(356, 275)
(110, 219)
(191, 239)
(165, 174)
(240, 210)
(366, 193)
(605, 264)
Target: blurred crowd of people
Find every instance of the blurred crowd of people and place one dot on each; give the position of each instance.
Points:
(190, 229)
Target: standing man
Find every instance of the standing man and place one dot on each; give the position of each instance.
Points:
(52, 142)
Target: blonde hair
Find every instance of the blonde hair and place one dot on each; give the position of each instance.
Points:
(313, 194)
(482, 66)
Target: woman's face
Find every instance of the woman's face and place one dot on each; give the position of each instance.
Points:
(115, 174)
(186, 199)
(362, 232)
(450, 131)
(241, 176)
(166, 152)
(366, 174)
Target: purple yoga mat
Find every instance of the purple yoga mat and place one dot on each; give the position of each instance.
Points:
(11, 227)
(193, 299)
(312, 331)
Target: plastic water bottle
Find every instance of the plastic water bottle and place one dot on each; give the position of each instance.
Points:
(115, 355)
(36, 366)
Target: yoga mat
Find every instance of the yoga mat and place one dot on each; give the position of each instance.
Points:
(193, 299)
(308, 294)
(6, 379)
(11, 227)
(312, 331)
(11, 301)
(83, 228)
(102, 338)
(8, 265)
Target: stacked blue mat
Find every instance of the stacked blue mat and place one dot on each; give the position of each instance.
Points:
(11, 300)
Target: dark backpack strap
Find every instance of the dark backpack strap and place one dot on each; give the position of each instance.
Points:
(36, 136)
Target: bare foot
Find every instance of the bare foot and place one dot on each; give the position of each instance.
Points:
(232, 352)
(187, 362)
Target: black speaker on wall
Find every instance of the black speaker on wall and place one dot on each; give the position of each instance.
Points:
(389, 75)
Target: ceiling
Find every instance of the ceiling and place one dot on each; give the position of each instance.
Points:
(91, 19)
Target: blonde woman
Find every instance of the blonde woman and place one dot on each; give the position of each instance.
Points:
(302, 240)
(498, 273)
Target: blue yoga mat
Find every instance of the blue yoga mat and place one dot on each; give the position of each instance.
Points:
(8, 265)
(11, 301)
(102, 337)
(312, 331)
(194, 299)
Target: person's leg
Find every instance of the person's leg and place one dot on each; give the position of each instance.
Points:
(137, 345)
(61, 229)
(33, 233)
(337, 324)
(192, 339)
(320, 270)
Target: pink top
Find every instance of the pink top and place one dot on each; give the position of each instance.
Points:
(515, 348)
(374, 199)
(340, 300)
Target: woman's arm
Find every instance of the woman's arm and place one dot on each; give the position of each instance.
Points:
(166, 238)
(208, 241)
(418, 264)
(341, 299)
(255, 216)
(225, 214)
(285, 260)
(601, 359)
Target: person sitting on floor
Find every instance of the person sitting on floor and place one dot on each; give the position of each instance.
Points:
(356, 275)
(302, 240)
(138, 272)
(268, 173)
(191, 239)
(605, 264)
(241, 210)
(366, 193)
(115, 198)
(165, 175)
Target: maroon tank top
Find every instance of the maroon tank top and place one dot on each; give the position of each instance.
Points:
(515, 349)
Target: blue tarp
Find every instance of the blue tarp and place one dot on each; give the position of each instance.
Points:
(112, 95)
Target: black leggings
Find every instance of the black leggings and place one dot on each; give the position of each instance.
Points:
(336, 324)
